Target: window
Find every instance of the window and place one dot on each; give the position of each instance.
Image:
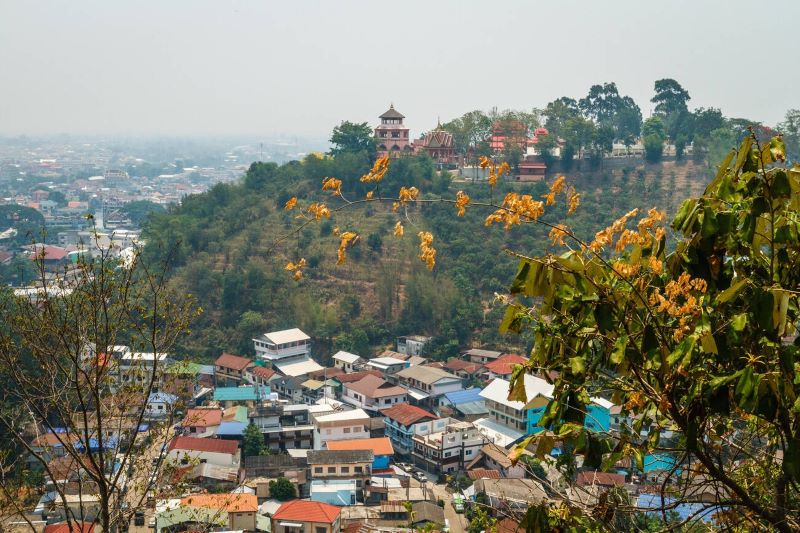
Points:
(447, 454)
(359, 469)
(467, 452)
(331, 469)
(320, 529)
(345, 470)
(327, 431)
(347, 430)
(317, 469)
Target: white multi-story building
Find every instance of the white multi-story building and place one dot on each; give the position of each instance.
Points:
(342, 425)
(412, 344)
(346, 361)
(446, 445)
(280, 344)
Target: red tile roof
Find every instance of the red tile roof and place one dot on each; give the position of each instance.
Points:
(70, 527)
(407, 414)
(459, 364)
(356, 376)
(505, 365)
(49, 253)
(236, 362)
(483, 473)
(204, 445)
(262, 372)
(202, 418)
(325, 373)
(379, 446)
(307, 511)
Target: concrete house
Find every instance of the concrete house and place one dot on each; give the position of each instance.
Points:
(387, 365)
(278, 345)
(412, 344)
(202, 422)
(346, 361)
(476, 355)
(215, 451)
(340, 425)
(230, 370)
(448, 449)
(401, 422)
(381, 448)
(426, 384)
(372, 393)
(338, 477)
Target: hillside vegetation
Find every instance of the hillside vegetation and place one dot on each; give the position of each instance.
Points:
(228, 248)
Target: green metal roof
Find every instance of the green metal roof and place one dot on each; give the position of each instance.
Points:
(226, 394)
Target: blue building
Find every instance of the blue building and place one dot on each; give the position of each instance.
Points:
(381, 449)
(598, 415)
(401, 420)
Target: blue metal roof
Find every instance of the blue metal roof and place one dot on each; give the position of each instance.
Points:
(231, 428)
(700, 511)
(161, 397)
(464, 396)
(240, 393)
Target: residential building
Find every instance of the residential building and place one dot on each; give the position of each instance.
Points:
(289, 388)
(300, 516)
(530, 171)
(401, 423)
(503, 367)
(477, 355)
(346, 361)
(312, 390)
(229, 512)
(495, 458)
(412, 344)
(159, 404)
(299, 366)
(326, 466)
(467, 370)
(341, 425)
(426, 385)
(467, 404)
(215, 451)
(511, 495)
(449, 449)
(202, 421)
(137, 368)
(260, 375)
(246, 395)
(387, 365)
(285, 427)
(391, 135)
(280, 344)
(380, 447)
(372, 393)
(230, 370)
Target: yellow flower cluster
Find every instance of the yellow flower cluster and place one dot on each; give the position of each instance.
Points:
(398, 229)
(319, 210)
(290, 203)
(462, 201)
(348, 238)
(369, 195)
(297, 268)
(515, 209)
(406, 194)
(495, 170)
(427, 253)
(679, 302)
(555, 188)
(654, 216)
(626, 270)
(558, 233)
(378, 170)
(332, 184)
(605, 237)
(573, 200)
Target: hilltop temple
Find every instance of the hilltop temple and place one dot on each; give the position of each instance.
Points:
(393, 140)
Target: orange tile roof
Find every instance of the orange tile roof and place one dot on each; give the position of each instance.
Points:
(407, 414)
(231, 503)
(504, 365)
(356, 376)
(379, 446)
(262, 372)
(236, 362)
(307, 511)
(202, 418)
(483, 473)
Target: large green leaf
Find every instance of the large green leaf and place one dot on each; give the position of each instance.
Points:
(731, 291)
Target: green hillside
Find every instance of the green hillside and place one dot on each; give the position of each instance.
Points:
(228, 248)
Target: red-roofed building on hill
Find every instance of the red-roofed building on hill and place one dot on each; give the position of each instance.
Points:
(381, 447)
(357, 376)
(401, 423)
(215, 451)
(504, 366)
(260, 375)
(302, 516)
(202, 422)
(229, 369)
(439, 146)
(468, 370)
(372, 393)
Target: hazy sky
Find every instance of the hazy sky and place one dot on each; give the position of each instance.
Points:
(217, 67)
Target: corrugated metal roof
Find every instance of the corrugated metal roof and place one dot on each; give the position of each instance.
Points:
(464, 396)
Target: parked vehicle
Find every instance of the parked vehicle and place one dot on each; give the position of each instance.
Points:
(458, 503)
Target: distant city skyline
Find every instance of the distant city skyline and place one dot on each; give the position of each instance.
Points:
(239, 68)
